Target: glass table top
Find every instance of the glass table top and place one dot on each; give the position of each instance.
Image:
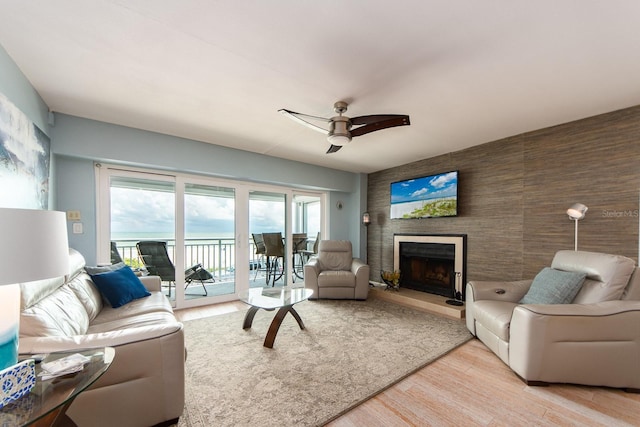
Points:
(270, 298)
(48, 395)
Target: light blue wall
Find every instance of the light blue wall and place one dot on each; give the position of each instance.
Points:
(104, 142)
(15, 86)
(79, 142)
(76, 192)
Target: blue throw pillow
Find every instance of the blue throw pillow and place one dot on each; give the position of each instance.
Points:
(553, 286)
(120, 286)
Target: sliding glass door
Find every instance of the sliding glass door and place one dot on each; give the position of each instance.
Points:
(200, 234)
(142, 209)
(267, 225)
(284, 229)
(306, 225)
(209, 240)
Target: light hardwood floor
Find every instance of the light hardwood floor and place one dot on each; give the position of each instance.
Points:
(470, 386)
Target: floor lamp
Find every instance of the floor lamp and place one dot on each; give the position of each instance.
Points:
(576, 212)
(33, 246)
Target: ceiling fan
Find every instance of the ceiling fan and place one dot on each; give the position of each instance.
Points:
(341, 128)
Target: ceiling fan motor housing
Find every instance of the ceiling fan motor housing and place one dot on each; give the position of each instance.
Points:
(339, 133)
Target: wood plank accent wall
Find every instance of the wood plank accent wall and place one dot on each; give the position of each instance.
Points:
(514, 193)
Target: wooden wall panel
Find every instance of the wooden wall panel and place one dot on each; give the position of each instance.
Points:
(513, 195)
(596, 162)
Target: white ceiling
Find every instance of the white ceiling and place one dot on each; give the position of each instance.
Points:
(466, 71)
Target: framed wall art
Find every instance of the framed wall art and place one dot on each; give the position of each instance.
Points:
(24, 160)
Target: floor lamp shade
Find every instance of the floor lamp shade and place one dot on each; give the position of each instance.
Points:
(576, 212)
(33, 246)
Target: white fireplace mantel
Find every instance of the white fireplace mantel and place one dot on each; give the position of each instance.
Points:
(459, 240)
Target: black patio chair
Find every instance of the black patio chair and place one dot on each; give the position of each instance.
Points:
(156, 259)
(299, 241)
(115, 255)
(260, 251)
(313, 252)
(274, 251)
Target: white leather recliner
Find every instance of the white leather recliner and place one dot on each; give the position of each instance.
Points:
(335, 273)
(594, 340)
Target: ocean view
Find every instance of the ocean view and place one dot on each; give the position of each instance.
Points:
(163, 236)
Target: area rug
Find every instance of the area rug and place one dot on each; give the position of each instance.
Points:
(349, 351)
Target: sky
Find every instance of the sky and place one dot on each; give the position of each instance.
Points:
(142, 211)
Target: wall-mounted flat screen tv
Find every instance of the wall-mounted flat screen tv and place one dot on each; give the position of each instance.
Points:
(425, 197)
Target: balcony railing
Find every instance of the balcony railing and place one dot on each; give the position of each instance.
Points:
(216, 255)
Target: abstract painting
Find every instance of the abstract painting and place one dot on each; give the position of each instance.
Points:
(24, 160)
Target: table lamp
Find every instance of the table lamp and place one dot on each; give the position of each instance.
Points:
(33, 246)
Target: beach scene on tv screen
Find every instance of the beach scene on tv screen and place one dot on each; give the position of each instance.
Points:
(426, 197)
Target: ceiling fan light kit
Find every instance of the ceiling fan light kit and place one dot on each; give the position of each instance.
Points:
(341, 129)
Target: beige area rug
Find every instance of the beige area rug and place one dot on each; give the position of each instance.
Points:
(349, 351)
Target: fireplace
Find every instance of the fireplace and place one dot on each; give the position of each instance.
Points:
(431, 263)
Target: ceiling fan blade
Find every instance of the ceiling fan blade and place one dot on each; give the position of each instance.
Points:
(367, 120)
(298, 117)
(333, 148)
(372, 127)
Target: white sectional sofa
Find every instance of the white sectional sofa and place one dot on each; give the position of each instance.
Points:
(144, 385)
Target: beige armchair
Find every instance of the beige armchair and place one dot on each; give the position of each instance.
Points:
(593, 340)
(335, 273)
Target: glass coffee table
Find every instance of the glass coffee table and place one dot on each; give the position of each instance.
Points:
(269, 299)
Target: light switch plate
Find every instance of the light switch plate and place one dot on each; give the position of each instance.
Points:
(77, 228)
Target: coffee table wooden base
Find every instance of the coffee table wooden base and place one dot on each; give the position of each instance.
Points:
(275, 323)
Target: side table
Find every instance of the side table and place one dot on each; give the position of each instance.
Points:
(49, 400)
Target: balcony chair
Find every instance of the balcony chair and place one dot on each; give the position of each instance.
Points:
(257, 266)
(306, 253)
(577, 322)
(156, 259)
(274, 252)
(335, 273)
(299, 242)
(115, 255)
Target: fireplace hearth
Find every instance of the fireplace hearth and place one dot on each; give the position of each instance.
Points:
(431, 263)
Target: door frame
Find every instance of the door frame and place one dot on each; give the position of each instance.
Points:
(242, 188)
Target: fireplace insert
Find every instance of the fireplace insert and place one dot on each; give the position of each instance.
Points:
(428, 267)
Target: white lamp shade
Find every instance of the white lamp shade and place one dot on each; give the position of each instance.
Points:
(33, 245)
